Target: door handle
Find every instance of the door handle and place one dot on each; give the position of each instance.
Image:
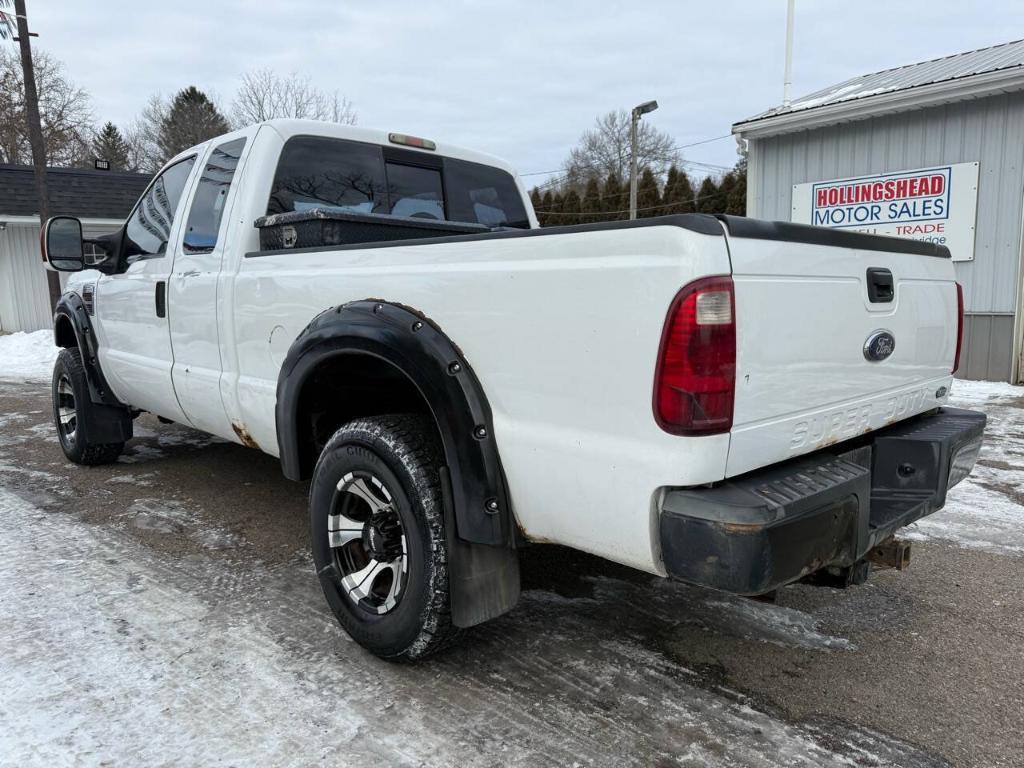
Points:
(161, 299)
(190, 273)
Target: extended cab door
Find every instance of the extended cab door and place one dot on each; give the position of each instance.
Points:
(131, 305)
(194, 288)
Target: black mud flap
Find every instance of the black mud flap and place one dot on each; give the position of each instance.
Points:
(105, 423)
(483, 580)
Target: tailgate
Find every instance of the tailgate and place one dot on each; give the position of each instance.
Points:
(815, 318)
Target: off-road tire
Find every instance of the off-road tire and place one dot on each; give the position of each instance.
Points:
(403, 451)
(76, 444)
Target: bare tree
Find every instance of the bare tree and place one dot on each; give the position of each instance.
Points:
(142, 136)
(264, 95)
(604, 150)
(64, 108)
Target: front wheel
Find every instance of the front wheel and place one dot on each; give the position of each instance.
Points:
(377, 529)
(70, 401)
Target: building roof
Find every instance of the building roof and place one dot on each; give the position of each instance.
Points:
(986, 71)
(77, 192)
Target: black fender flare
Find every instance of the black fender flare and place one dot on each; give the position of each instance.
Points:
(109, 420)
(71, 307)
(420, 350)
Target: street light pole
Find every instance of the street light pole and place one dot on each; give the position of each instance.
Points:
(35, 134)
(638, 111)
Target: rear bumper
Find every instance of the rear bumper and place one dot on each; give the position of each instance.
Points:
(767, 528)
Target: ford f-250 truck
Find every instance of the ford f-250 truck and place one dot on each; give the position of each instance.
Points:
(729, 402)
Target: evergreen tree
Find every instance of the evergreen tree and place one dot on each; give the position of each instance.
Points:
(191, 119)
(736, 203)
(616, 198)
(555, 214)
(679, 192)
(592, 202)
(546, 204)
(709, 198)
(725, 189)
(535, 198)
(648, 200)
(110, 145)
(570, 209)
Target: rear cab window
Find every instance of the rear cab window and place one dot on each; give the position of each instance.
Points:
(355, 177)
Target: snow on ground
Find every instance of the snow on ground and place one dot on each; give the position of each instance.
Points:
(113, 653)
(27, 356)
(970, 394)
(986, 511)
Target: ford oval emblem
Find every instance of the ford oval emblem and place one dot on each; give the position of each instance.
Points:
(879, 346)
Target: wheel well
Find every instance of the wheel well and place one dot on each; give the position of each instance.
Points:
(348, 386)
(64, 332)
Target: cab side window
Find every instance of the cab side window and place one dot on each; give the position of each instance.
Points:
(149, 227)
(210, 197)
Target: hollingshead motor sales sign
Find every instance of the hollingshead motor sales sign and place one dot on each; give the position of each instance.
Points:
(935, 204)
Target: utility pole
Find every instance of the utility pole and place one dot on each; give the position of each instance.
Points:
(35, 134)
(638, 111)
(787, 81)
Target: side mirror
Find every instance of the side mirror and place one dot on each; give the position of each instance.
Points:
(62, 244)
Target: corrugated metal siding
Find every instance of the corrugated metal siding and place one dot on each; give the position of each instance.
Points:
(989, 130)
(26, 302)
(24, 295)
(988, 340)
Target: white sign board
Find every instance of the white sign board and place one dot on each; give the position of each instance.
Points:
(935, 204)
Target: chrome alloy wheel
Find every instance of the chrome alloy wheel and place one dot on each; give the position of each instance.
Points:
(67, 414)
(368, 543)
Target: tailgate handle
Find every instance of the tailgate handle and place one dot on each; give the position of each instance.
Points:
(880, 285)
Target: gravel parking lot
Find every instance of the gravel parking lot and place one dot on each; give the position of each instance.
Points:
(163, 610)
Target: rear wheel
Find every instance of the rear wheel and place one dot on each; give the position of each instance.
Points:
(70, 401)
(377, 529)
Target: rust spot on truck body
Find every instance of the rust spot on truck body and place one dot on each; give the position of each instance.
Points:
(743, 529)
(244, 436)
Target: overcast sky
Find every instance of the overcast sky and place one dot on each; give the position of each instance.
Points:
(518, 79)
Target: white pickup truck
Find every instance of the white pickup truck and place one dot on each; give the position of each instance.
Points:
(730, 402)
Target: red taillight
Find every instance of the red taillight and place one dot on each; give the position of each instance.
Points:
(695, 378)
(959, 326)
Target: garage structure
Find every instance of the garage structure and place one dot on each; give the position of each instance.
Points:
(934, 151)
(101, 199)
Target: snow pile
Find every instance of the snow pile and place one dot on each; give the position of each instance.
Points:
(986, 511)
(27, 356)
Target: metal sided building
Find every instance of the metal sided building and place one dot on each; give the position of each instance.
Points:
(934, 151)
(101, 199)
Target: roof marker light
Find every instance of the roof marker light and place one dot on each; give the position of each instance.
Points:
(411, 141)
